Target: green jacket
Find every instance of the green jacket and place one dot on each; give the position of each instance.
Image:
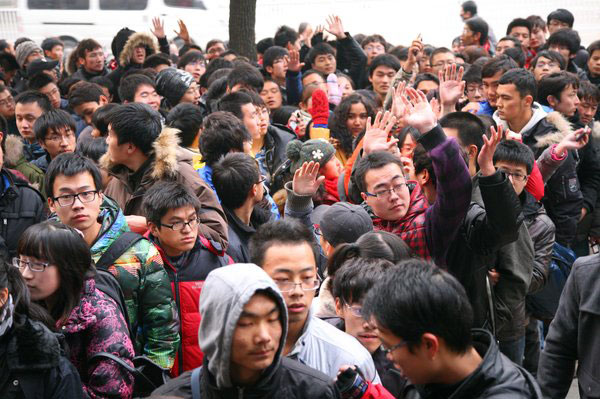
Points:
(14, 159)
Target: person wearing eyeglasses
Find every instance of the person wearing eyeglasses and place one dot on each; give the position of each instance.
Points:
(172, 210)
(55, 132)
(288, 251)
(75, 196)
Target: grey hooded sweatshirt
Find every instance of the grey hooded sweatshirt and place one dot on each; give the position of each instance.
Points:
(225, 293)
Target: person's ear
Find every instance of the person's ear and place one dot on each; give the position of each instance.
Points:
(477, 36)
(131, 148)
(473, 152)
(153, 228)
(41, 143)
(338, 308)
(269, 70)
(430, 344)
(371, 78)
(364, 196)
(423, 177)
(553, 101)
(528, 99)
(102, 100)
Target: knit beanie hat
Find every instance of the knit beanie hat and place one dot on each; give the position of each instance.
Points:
(24, 50)
(172, 84)
(317, 150)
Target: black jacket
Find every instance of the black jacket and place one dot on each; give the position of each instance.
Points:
(351, 59)
(83, 74)
(588, 169)
(291, 380)
(276, 141)
(20, 207)
(496, 377)
(574, 335)
(239, 237)
(36, 367)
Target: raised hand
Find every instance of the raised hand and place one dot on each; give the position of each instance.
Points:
(573, 141)
(452, 87)
(414, 51)
(294, 63)
(485, 159)
(335, 27)
(306, 179)
(158, 27)
(377, 134)
(398, 107)
(419, 111)
(183, 31)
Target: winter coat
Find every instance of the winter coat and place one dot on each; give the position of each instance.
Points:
(351, 59)
(496, 377)
(15, 159)
(83, 74)
(36, 364)
(96, 325)
(187, 274)
(573, 337)
(42, 163)
(165, 163)
(276, 141)
(588, 169)
(21, 206)
(225, 293)
(239, 237)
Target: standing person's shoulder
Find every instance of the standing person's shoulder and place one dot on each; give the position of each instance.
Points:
(304, 381)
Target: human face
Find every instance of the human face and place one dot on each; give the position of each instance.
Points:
(86, 110)
(56, 53)
(26, 115)
(538, 38)
(80, 215)
(279, 68)
(263, 117)
(147, 94)
(475, 92)
(251, 119)
(314, 79)
(426, 86)
(440, 61)
(587, 110)
(293, 263)
(196, 68)
(364, 331)
(42, 285)
(118, 153)
(555, 25)
(382, 79)
(51, 91)
(93, 60)
(468, 37)
(271, 95)
(373, 49)
(594, 63)
(332, 169)
(424, 64)
(357, 119)
(490, 88)
(545, 66)
(325, 63)
(192, 94)
(517, 174)
(408, 146)
(345, 86)
(33, 56)
(563, 50)
(510, 105)
(256, 339)
(176, 242)
(521, 33)
(215, 50)
(395, 206)
(503, 45)
(59, 141)
(139, 55)
(464, 15)
(7, 105)
(568, 102)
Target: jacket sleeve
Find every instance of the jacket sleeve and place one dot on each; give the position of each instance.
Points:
(293, 85)
(163, 44)
(65, 381)
(542, 235)
(558, 359)
(535, 183)
(453, 184)
(160, 326)
(351, 59)
(548, 164)
(298, 207)
(588, 172)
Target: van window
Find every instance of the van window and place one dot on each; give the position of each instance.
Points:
(198, 4)
(58, 5)
(123, 4)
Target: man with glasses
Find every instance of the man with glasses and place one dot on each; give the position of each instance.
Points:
(440, 58)
(7, 110)
(288, 252)
(74, 190)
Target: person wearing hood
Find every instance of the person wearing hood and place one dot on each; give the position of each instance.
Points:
(177, 86)
(242, 334)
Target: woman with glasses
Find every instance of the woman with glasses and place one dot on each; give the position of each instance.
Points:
(56, 265)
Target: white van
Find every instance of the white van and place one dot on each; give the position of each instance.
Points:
(73, 20)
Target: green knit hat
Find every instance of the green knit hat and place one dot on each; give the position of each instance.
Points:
(317, 150)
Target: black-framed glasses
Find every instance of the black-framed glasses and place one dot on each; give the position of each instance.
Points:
(180, 225)
(385, 194)
(310, 284)
(515, 175)
(69, 199)
(393, 348)
(33, 266)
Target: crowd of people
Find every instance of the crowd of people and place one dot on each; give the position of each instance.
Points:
(343, 218)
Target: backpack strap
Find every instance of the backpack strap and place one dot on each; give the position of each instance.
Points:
(117, 248)
(196, 382)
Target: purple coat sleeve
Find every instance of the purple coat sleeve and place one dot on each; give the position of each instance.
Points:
(453, 186)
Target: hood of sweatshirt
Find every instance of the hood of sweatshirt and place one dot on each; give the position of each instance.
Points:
(538, 115)
(225, 292)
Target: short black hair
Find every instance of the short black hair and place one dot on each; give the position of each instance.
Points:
(417, 298)
(285, 35)
(588, 91)
(554, 84)
(39, 80)
(470, 6)
(70, 164)
(517, 54)
(264, 44)
(355, 278)
(516, 153)
(513, 39)
(233, 177)
(222, 132)
(272, 54)
(472, 74)
(130, 84)
(281, 232)
(136, 123)
(595, 46)
(519, 22)
(84, 92)
(247, 76)
(93, 148)
(187, 118)
(561, 15)
(166, 195)
(387, 60)
(373, 39)
(551, 55)
(105, 82)
(537, 22)
(30, 96)
(478, 25)
(469, 127)
(422, 161)
(565, 37)
(424, 77)
(189, 57)
(84, 46)
(523, 81)
(233, 103)
(100, 118)
(319, 49)
(439, 50)
(215, 41)
(157, 59)
(374, 160)
(53, 120)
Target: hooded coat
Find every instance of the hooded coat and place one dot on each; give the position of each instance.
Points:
(226, 291)
(14, 158)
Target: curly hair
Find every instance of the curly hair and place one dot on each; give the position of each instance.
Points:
(337, 125)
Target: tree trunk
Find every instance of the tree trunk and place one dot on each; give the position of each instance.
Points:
(242, 18)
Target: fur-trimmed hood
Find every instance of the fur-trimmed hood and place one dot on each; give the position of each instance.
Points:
(562, 128)
(136, 40)
(13, 149)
